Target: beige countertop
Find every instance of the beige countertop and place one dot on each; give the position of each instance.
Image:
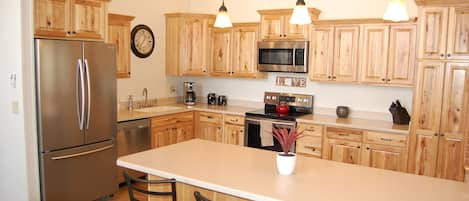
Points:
(367, 124)
(251, 173)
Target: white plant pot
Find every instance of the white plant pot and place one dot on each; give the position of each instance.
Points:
(286, 164)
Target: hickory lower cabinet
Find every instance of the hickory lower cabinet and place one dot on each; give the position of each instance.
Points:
(342, 145)
(185, 192)
(70, 19)
(233, 129)
(440, 120)
(311, 142)
(223, 128)
(209, 126)
(171, 129)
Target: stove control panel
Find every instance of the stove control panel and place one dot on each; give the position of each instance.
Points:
(297, 100)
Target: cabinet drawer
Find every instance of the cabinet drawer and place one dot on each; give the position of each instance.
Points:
(172, 119)
(386, 139)
(344, 134)
(233, 119)
(209, 117)
(310, 145)
(310, 129)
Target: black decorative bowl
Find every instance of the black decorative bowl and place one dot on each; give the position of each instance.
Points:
(342, 111)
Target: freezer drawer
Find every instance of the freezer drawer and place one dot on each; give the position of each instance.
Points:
(78, 174)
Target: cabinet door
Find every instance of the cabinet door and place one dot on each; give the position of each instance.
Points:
(88, 18)
(346, 53)
(184, 132)
(209, 131)
(322, 53)
(220, 52)
(458, 34)
(311, 142)
(51, 17)
(119, 34)
(384, 157)
(374, 53)
(450, 163)
(424, 159)
(433, 27)
(426, 118)
(233, 134)
(244, 43)
(342, 151)
(194, 43)
(163, 137)
(401, 63)
(272, 26)
(295, 31)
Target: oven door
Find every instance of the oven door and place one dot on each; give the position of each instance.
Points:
(253, 129)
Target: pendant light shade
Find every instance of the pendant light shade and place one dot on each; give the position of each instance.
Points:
(223, 19)
(300, 14)
(396, 11)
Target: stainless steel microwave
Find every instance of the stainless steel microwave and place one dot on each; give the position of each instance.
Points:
(283, 56)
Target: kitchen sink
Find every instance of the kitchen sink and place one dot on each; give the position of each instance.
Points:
(158, 109)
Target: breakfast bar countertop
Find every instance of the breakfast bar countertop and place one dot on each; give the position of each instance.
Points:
(251, 174)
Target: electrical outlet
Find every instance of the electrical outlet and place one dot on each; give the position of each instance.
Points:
(172, 89)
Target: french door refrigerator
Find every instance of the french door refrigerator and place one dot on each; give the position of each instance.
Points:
(76, 104)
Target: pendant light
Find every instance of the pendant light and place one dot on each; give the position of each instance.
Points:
(396, 11)
(300, 14)
(223, 20)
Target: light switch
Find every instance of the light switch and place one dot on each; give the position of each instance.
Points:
(14, 107)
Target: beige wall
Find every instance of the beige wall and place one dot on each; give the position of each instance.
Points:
(148, 72)
(358, 97)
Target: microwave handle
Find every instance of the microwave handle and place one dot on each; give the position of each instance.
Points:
(294, 57)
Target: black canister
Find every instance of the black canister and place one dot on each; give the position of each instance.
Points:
(212, 99)
(222, 100)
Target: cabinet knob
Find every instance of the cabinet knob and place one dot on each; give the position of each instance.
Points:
(280, 35)
(442, 135)
(435, 134)
(389, 80)
(358, 147)
(334, 77)
(449, 55)
(74, 32)
(204, 71)
(329, 77)
(68, 32)
(367, 148)
(284, 35)
(383, 79)
(442, 55)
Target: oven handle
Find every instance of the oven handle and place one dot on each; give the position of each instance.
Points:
(273, 122)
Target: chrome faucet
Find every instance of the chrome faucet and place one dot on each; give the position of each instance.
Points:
(145, 94)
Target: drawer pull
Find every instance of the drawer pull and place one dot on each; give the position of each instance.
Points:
(310, 147)
(386, 139)
(310, 130)
(343, 134)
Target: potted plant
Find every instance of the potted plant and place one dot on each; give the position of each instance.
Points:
(286, 160)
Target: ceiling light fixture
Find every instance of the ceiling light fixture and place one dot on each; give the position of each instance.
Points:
(396, 11)
(300, 14)
(223, 19)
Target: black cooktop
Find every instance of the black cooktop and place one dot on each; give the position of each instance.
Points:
(267, 113)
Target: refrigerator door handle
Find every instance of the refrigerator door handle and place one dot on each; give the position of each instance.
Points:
(80, 100)
(87, 70)
(82, 153)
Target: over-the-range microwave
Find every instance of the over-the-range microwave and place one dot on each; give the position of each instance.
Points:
(283, 56)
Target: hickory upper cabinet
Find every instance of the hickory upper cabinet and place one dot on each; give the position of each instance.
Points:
(444, 31)
(387, 54)
(119, 34)
(187, 43)
(71, 19)
(275, 24)
(233, 51)
(334, 53)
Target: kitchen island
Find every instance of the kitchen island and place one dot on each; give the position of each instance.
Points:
(251, 174)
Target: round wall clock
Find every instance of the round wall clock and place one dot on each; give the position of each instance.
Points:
(142, 41)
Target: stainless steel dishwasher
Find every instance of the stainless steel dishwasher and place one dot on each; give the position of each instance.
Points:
(132, 137)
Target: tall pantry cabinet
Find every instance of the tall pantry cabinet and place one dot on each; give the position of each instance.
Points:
(440, 122)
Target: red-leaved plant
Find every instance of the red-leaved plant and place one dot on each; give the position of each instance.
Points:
(286, 139)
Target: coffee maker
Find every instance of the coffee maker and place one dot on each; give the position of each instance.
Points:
(189, 93)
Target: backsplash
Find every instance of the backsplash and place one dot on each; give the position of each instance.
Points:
(365, 101)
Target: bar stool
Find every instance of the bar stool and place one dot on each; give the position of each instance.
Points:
(199, 197)
(130, 181)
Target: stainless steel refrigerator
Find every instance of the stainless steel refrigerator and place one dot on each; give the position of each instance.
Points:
(76, 103)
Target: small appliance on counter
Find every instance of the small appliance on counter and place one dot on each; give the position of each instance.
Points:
(399, 113)
(222, 100)
(189, 93)
(259, 123)
(212, 99)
